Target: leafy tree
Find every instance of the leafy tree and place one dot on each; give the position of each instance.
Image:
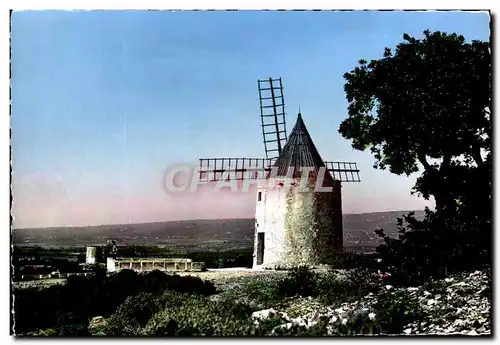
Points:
(426, 107)
(429, 103)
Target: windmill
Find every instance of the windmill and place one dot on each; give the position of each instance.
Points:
(292, 225)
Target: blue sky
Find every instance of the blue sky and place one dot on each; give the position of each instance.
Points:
(103, 102)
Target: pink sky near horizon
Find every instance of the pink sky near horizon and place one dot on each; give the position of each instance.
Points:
(45, 201)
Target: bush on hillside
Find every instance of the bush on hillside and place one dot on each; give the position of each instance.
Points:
(395, 310)
(94, 296)
(133, 314)
(328, 286)
(199, 316)
(351, 260)
(435, 247)
(333, 288)
(301, 281)
(72, 325)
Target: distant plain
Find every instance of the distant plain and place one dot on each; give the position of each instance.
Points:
(202, 235)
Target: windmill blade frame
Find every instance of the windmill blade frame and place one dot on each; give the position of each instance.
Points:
(213, 169)
(343, 171)
(273, 116)
(241, 168)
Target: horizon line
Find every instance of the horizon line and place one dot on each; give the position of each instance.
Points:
(184, 220)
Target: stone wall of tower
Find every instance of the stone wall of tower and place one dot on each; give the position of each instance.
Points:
(328, 219)
(338, 220)
(300, 227)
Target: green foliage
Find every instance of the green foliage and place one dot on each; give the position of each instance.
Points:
(49, 332)
(391, 312)
(195, 315)
(435, 287)
(397, 309)
(350, 260)
(435, 247)
(356, 283)
(363, 277)
(332, 289)
(301, 281)
(57, 258)
(430, 98)
(317, 330)
(199, 316)
(271, 323)
(94, 296)
(427, 104)
(36, 308)
(359, 324)
(72, 325)
(328, 286)
(38, 260)
(133, 314)
(212, 259)
(152, 309)
(259, 292)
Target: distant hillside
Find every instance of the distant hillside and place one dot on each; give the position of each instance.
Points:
(200, 234)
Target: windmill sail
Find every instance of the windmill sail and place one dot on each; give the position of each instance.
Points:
(213, 169)
(297, 151)
(241, 168)
(272, 114)
(343, 171)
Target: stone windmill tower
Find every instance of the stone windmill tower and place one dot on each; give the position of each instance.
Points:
(298, 216)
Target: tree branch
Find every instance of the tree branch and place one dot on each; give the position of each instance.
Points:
(423, 160)
(446, 161)
(476, 154)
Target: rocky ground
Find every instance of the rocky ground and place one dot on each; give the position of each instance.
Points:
(458, 305)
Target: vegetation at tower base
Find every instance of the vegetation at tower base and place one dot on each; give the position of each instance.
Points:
(309, 227)
(428, 104)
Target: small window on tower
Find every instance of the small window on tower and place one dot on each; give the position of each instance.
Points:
(259, 196)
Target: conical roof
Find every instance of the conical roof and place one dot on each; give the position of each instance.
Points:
(299, 151)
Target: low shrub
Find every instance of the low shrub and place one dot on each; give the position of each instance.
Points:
(330, 287)
(441, 244)
(351, 260)
(133, 314)
(394, 310)
(189, 284)
(199, 316)
(259, 292)
(301, 281)
(72, 325)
